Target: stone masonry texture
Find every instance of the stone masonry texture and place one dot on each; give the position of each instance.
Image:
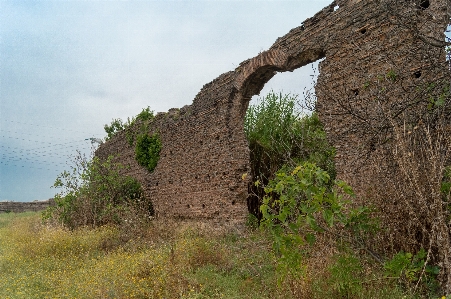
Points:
(18, 207)
(204, 150)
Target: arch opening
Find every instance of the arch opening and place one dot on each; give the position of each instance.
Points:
(295, 91)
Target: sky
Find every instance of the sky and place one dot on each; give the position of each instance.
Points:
(67, 68)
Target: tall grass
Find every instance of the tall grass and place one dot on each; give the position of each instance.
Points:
(168, 260)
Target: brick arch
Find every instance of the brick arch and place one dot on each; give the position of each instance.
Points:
(252, 76)
(254, 73)
(205, 152)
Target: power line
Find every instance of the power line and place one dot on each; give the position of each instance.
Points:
(42, 147)
(42, 126)
(33, 134)
(42, 157)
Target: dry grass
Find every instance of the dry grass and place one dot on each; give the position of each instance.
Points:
(166, 260)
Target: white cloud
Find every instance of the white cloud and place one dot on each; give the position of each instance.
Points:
(74, 65)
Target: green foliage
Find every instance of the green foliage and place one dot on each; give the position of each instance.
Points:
(315, 147)
(303, 202)
(252, 221)
(360, 223)
(147, 151)
(302, 195)
(145, 115)
(445, 187)
(130, 137)
(95, 193)
(391, 75)
(408, 269)
(144, 118)
(398, 264)
(437, 99)
(346, 275)
(271, 122)
(117, 125)
(279, 133)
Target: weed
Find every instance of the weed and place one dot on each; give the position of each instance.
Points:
(94, 193)
(169, 260)
(413, 271)
(391, 75)
(252, 221)
(346, 273)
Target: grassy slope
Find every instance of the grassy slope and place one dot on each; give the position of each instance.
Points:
(169, 260)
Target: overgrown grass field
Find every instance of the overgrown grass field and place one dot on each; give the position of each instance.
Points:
(171, 260)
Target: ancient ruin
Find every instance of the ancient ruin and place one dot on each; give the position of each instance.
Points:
(366, 44)
(19, 207)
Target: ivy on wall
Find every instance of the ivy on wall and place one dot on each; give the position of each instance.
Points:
(147, 150)
(148, 147)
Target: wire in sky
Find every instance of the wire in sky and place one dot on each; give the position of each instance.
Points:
(41, 126)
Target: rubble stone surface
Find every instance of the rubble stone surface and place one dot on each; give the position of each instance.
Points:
(204, 150)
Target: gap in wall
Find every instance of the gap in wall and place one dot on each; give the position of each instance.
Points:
(301, 83)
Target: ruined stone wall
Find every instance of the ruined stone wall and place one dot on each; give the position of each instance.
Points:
(201, 161)
(204, 149)
(376, 40)
(19, 207)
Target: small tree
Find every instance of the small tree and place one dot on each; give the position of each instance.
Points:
(115, 126)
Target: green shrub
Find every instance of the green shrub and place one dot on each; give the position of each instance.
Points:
(391, 75)
(346, 275)
(411, 270)
(297, 198)
(117, 125)
(445, 187)
(300, 203)
(279, 134)
(147, 151)
(252, 222)
(145, 115)
(95, 193)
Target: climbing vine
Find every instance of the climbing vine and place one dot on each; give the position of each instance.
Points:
(147, 150)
